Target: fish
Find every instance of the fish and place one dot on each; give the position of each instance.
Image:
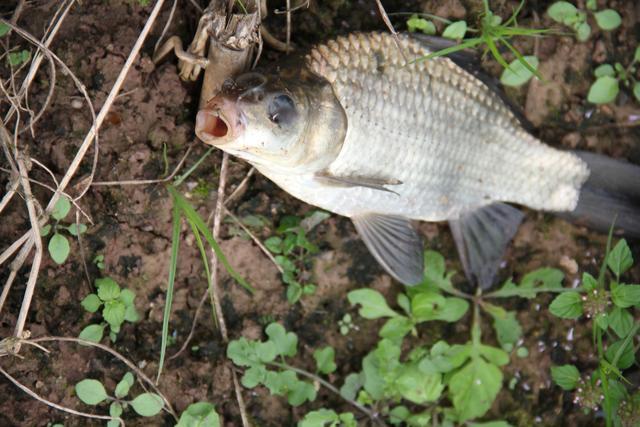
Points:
(362, 127)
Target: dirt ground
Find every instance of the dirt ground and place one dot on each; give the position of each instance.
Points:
(132, 224)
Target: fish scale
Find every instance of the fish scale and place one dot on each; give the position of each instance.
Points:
(439, 130)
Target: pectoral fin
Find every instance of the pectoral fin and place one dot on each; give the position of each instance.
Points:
(482, 237)
(394, 243)
(377, 183)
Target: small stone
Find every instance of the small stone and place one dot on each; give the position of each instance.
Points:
(570, 265)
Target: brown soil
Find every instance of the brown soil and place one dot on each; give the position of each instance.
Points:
(132, 224)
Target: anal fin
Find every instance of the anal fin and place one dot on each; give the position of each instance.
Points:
(482, 237)
(394, 243)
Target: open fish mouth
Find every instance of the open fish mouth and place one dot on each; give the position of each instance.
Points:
(219, 122)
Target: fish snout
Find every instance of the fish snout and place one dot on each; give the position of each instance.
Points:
(219, 122)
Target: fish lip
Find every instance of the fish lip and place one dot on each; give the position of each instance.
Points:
(219, 122)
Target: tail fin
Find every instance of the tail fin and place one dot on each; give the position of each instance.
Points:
(611, 192)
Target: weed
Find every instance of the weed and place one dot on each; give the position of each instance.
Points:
(609, 309)
(58, 246)
(92, 392)
(346, 324)
(491, 34)
(292, 250)
(607, 85)
(98, 260)
(117, 307)
(569, 15)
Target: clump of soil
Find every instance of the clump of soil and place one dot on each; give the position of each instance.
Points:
(132, 224)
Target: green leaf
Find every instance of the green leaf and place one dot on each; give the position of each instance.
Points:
(373, 304)
(256, 374)
(286, 343)
(325, 360)
(115, 410)
(425, 303)
(566, 376)
(274, 244)
(113, 312)
(59, 248)
(131, 314)
(91, 303)
(604, 70)
(636, 90)
(200, 414)
(108, 289)
(17, 58)
(561, 10)
(92, 333)
(300, 392)
(127, 296)
(61, 208)
(508, 329)
(242, 352)
(491, 424)
(621, 321)
(518, 74)
(416, 23)
(455, 30)
(603, 90)
(453, 310)
(76, 229)
(122, 389)
(294, 292)
(608, 19)
(531, 283)
(418, 387)
(589, 282)
(352, 384)
(266, 351)
(147, 404)
(619, 259)
(636, 55)
(494, 355)
(320, 418)
(626, 295)
(90, 391)
(583, 32)
(44, 231)
(474, 388)
(396, 328)
(567, 305)
(4, 29)
(627, 355)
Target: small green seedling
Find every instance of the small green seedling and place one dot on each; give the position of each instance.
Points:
(567, 14)
(117, 307)
(292, 251)
(98, 260)
(610, 309)
(200, 414)
(608, 78)
(491, 34)
(17, 58)
(59, 247)
(346, 324)
(92, 392)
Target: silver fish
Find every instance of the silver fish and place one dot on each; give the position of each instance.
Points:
(356, 130)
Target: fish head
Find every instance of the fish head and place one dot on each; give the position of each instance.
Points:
(288, 122)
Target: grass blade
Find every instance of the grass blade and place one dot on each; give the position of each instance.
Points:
(193, 217)
(173, 263)
(205, 262)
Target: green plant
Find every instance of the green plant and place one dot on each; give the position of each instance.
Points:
(92, 392)
(292, 251)
(569, 15)
(346, 324)
(19, 57)
(98, 260)
(607, 85)
(117, 307)
(491, 34)
(609, 305)
(59, 247)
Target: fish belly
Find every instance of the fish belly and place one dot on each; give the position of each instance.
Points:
(444, 140)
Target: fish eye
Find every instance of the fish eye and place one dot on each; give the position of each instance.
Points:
(282, 109)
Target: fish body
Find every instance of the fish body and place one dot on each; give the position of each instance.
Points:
(359, 131)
